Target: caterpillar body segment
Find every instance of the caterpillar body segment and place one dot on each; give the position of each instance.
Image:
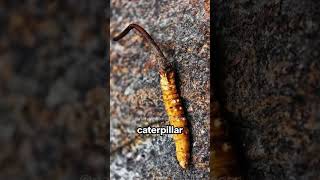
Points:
(176, 116)
(170, 95)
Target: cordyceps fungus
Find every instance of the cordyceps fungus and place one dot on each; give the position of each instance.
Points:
(170, 96)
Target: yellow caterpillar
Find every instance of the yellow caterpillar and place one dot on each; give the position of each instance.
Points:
(171, 98)
(174, 110)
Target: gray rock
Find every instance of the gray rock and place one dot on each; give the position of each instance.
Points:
(181, 28)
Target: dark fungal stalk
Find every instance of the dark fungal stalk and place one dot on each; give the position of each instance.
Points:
(162, 61)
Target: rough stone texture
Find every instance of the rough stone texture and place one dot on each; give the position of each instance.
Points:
(181, 28)
(52, 97)
(267, 70)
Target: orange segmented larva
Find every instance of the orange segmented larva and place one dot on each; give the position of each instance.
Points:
(170, 96)
(174, 110)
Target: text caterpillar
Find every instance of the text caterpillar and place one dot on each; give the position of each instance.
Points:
(170, 96)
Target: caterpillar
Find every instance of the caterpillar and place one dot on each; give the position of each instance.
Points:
(224, 160)
(171, 98)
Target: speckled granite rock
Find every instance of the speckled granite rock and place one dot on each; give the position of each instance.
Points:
(52, 96)
(268, 74)
(181, 28)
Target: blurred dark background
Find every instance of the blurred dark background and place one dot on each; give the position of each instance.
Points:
(53, 96)
(267, 78)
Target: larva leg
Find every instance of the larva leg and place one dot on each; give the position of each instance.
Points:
(176, 116)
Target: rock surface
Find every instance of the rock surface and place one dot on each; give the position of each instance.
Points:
(181, 28)
(267, 72)
(52, 89)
